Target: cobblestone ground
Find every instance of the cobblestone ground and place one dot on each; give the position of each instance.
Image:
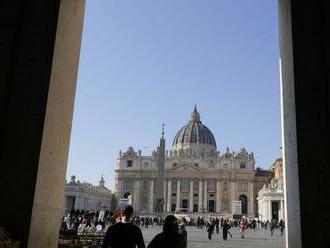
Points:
(198, 238)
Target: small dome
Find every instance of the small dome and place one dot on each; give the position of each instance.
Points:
(194, 133)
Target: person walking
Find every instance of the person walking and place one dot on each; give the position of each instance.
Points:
(281, 225)
(225, 229)
(242, 227)
(124, 234)
(272, 226)
(217, 223)
(170, 237)
(210, 228)
(183, 232)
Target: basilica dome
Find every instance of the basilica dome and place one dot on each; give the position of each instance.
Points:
(194, 135)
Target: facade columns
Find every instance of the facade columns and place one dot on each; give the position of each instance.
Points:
(205, 195)
(232, 189)
(137, 196)
(269, 209)
(151, 196)
(218, 198)
(191, 196)
(169, 194)
(200, 194)
(178, 190)
(164, 197)
(282, 210)
(251, 200)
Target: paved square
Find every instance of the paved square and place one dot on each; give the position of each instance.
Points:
(198, 238)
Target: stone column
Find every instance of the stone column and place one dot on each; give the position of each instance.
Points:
(269, 209)
(205, 194)
(169, 194)
(191, 196)
(218, 209)
(200, 195)
(151, 196)
(282, 210)
(164, 197)
(251, 200)
(232, 190)
(137, 196)
(178, 190)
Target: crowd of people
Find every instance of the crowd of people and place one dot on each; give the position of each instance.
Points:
(122, 229)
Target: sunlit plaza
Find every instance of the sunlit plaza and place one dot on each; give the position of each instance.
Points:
(197, 238)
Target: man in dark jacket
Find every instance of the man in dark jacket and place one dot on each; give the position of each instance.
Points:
(124, 234)
(170, 237)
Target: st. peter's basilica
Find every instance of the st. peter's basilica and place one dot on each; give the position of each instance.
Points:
(191, 177)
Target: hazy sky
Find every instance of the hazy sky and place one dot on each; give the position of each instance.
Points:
(147, 62)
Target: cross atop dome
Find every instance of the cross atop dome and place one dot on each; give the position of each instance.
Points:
(195, 115)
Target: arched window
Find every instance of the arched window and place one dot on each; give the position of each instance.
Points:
(243, 199)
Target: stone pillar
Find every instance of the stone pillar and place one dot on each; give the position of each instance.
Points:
(200, 195)
(169, 194)
(282, 210)
(218, 198)
(232, 199)
(205, 195)
(269, 209)
(40, 47)
(151, 196)
(251, 200)
(178, 190)
(137, 196)
(191, 196)
(164, 197)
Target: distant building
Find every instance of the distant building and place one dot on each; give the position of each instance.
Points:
(271, 196)
(85, 196)
(191, 177)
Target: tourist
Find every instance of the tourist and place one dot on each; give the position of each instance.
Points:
(242, 227)
(183, 232)
(124, 234)
(225, 229)
(217, 222)
(272, 226)
(170, 237)
(281, 225)
(210, 228)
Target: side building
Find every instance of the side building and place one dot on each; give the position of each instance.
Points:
(271, 196)
(87, 197)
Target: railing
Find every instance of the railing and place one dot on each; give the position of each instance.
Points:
(81, 241)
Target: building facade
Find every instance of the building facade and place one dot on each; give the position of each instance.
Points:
(88, 197)
(271, 196)
(191, 177)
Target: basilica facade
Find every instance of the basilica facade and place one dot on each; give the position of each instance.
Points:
(193, 176)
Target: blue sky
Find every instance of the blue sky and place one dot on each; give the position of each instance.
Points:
(147, 62)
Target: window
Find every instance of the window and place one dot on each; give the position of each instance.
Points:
(243, 187)
(195, 195)
(173, 194)
(242, 165)
(211, 186)
(175, 164)
(225, 166)
(145, 164)
(225, 186)
(185, 185)
(129, 163)
(196, 164)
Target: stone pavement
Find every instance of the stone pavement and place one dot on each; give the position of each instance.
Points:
(198, 238)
